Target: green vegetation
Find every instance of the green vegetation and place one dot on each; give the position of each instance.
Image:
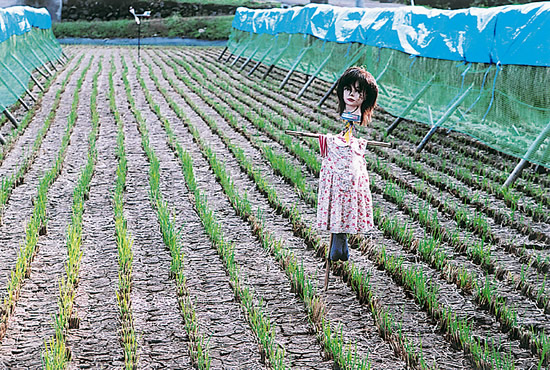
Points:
(36, 225)
(198, 343)
(56, 354)
(124, 241)
(203, 28)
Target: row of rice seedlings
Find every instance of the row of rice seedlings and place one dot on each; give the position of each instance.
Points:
(198, 343)
(466, 197)
(359, 281)
(258, 319)
(287, 164)
(124, 241)
(14, 134)
(462, 144)
(327, 123)
(477, 221)
(511, 217)
(254, 113)
(56, 354)
(8, 183)
(462, 154)
(37, 224)
(478, 252)
(535, 208)
(331, 339)
(301, 284)
(432, 252)
(291, 174)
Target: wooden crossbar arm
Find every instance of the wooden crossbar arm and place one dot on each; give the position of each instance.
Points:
(311, 134)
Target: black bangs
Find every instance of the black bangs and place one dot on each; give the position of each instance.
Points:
(350, 79)
(367, 87)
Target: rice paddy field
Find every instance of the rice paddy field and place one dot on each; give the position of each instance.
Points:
(154, 214)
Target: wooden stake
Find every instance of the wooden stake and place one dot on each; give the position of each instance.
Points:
(327, 271)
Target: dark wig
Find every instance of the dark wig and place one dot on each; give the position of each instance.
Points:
(367, 87)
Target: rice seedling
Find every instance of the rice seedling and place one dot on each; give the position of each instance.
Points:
(56, 354)
(37, 224)
(124, 240)
(251, 305)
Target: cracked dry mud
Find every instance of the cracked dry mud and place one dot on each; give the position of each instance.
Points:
(162, 339)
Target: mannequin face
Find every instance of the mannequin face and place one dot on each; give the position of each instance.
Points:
(353, 98)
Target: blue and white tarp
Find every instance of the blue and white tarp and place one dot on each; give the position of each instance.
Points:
(512, 34)
(18, 20)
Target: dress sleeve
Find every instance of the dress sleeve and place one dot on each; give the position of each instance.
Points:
(323, 145)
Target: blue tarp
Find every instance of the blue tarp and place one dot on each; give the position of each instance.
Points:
(512, 34)
(19, 20)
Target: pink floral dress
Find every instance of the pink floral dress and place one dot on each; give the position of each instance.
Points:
(344, 199)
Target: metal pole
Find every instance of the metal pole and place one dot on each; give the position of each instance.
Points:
(325, 97)
(249, 58)
(296, 62)
(18, 80)
(260, 60)
(223, 52)
(313, 76)
(29, 72)
(268, 71)
(241, 54)
(24, 104)
(443, 119)
(14, 94)
(43, 64)
(532, 149)
(11, 117)
(245, 46)
(139, 40)
(413, 102)
(276, 60)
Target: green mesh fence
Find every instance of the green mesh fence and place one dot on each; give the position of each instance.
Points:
(19, 56)
(505, 107)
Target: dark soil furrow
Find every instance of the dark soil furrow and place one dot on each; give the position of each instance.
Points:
(319, 273)
(30, 324)
(20, 205)
(95, 343)
(157, 320)
(293, 331)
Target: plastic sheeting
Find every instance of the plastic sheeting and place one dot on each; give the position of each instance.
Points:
(19, 20)
(513, 34)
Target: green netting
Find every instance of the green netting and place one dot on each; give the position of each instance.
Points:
(506, 107)
(19, 56)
